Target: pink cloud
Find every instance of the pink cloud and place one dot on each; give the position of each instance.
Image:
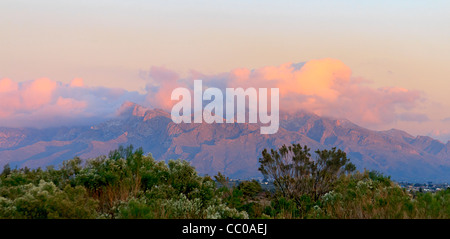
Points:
(7, 85)
(72, 104)
(9, 99)
(77, 82)
(44, 102)
(161, 84)
(37, 93)
(29, 99)
(324, 86)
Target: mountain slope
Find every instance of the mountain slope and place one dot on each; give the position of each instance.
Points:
(233, 149)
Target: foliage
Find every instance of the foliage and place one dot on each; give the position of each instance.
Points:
(298, 177)
(45, 200)
(127, 184)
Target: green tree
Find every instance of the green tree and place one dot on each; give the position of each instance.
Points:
(250, 188)
(296, 174)
(6, 171)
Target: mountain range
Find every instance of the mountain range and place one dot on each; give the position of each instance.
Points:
(232, 149)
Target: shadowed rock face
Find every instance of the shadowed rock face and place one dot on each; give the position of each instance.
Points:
(233, 149)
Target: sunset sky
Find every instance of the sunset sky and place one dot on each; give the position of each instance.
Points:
(381, 64)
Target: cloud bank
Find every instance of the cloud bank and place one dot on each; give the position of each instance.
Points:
(44, 103)
(325, 87)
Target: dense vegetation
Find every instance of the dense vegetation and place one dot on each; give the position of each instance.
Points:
(129, 184)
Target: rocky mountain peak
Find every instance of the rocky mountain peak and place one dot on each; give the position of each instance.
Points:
(129, 108)
(232, 149)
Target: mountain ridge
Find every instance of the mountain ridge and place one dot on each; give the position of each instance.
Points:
(232, 149)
